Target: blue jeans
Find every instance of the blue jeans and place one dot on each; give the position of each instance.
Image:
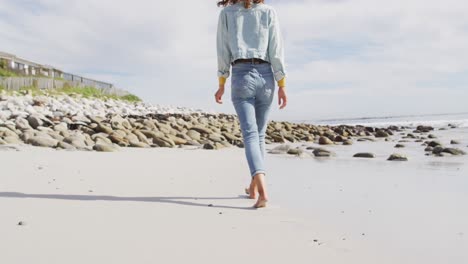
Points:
(252, 93)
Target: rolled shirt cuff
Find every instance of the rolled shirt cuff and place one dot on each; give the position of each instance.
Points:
(222, 80)
(224, 74)
(282, 82)
(279, 75)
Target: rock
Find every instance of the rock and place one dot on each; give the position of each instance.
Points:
(364, 155)
(424, 129)
(193, 134)
(219, 145)
(431, 136)
(22, 124)
(141, 137)
(277, 137)
(117, 138)
(454, 142)
(296, 151)
(117, 122)
(325, 141)
(61, 127)
(226, 144)
(397, 157)
(429, 149)
(348, 142)
(12, 140)
(320, 152)
(289, 137)
(105, 148)
(40, 101)
(454, 151)
(434, 144)
(202, 130)
(437, 150)
(281, 149)
(215, 137)
(381, 134)
(76, 141)
(34, 121)
(41, 141)
(210, 146)
(136, 144)
(339, 138)
(231, 138)
(104, 128)
(159, 139)
(365, 139)
(177, 140)
(399, 146)
(64, 145)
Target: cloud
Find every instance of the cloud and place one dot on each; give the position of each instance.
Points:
(343, 57)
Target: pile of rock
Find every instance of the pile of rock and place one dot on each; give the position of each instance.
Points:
(78, 123)
(64, 105)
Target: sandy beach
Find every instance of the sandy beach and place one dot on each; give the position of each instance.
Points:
(187, 205)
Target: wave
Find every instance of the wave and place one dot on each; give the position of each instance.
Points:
(435, 120)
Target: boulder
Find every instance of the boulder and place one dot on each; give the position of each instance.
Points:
(381, 134)
(34, 121)
(105, 148)
(41, 141)
(325, 141)
(454, 151)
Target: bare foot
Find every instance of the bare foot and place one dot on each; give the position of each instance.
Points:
(259, 182)
(252, 190)
(250, 196)
(261, 203)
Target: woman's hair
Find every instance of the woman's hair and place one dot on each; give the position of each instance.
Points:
(247, 3)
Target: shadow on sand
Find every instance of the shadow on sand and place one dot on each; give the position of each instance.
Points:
(169, 200)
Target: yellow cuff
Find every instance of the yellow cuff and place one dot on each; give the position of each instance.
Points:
(222, 80)
(282, 83)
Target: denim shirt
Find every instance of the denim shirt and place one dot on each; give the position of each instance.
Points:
(249, 33)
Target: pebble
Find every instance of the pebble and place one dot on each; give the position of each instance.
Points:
(364, 155)
(397, 157)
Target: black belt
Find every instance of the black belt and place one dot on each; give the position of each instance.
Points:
(251, 61)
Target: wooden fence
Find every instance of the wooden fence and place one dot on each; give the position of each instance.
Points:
(16, 83)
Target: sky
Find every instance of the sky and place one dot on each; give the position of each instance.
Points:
(344, 58)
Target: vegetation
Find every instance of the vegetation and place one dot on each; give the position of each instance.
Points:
(91, 92)
(7, 73)
(86, 92)
(3, 64)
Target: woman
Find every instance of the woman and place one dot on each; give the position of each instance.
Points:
(249, 40)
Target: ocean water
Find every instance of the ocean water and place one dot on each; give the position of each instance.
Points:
(435, 120)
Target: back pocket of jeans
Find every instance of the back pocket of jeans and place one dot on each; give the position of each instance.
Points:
(242, 86)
